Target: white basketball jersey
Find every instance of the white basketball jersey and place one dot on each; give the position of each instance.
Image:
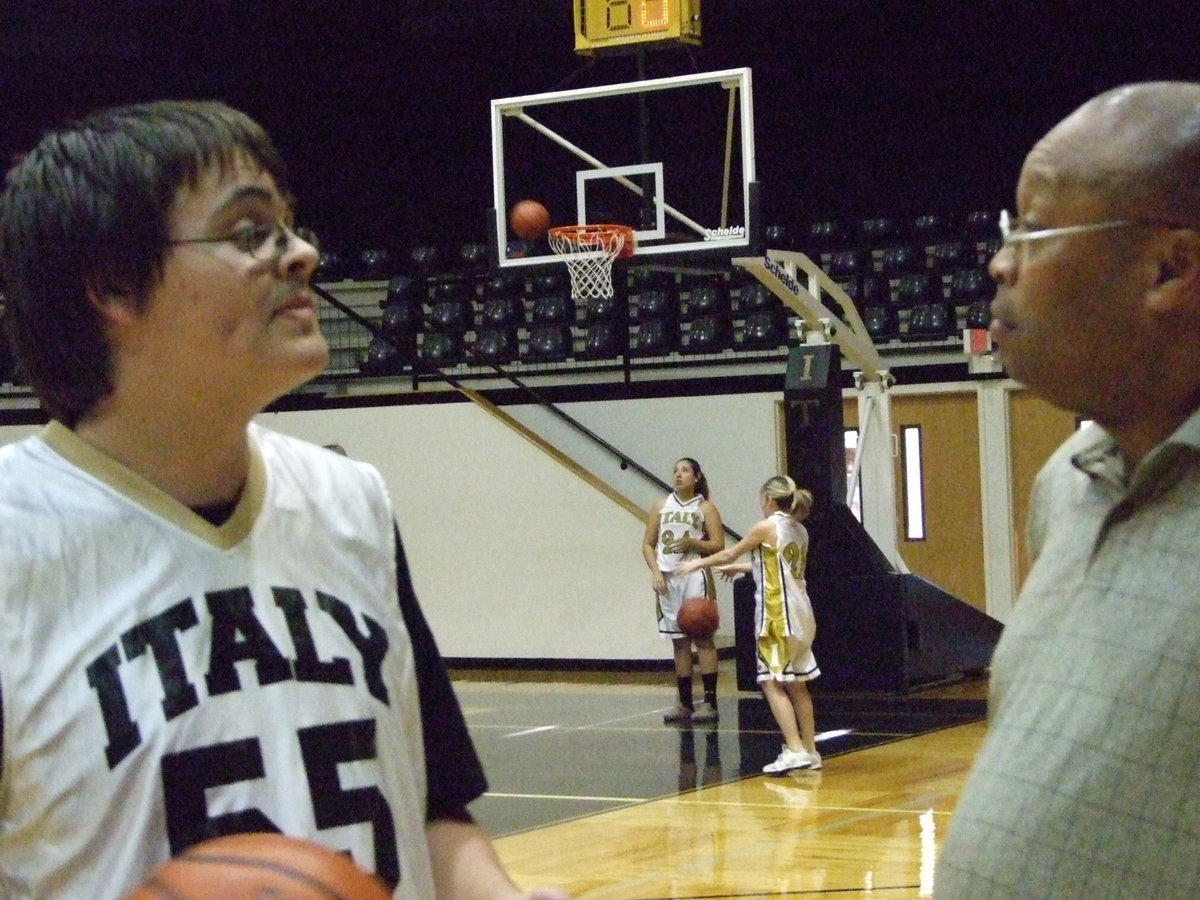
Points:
(164, 679)
(778, 571)
(675, 520)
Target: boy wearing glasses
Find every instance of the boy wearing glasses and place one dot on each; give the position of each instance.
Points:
(205, 627)
(1088, 782)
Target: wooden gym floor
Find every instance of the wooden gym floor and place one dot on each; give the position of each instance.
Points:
(591, 792)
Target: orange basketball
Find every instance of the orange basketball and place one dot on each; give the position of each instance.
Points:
(253, 866)
(529, 220)
(699, 617)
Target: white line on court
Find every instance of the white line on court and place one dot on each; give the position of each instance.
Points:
(531, 731)
(829, 735)
(566, 797)
(640, 715)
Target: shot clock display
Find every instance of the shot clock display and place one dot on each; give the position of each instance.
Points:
(603, 26)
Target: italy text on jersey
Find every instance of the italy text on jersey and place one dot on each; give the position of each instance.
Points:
(238, 636)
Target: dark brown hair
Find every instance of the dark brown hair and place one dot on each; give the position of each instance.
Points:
(84, 214)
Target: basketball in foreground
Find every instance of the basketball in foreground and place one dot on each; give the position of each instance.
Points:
(254, 866)
(529, 220)
(698, 617)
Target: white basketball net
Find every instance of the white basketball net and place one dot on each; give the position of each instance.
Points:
(589, 252)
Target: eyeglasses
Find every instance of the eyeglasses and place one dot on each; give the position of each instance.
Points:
(1013, 232)
(265, 243)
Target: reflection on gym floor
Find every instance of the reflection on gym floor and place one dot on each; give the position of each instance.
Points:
(556, 751)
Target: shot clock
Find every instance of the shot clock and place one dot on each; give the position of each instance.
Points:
(614, 26)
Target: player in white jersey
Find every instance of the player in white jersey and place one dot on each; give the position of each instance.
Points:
(205, 627)
(783, 615)
(683, 525)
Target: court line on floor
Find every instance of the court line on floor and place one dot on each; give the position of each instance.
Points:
(565, 797)
(532, 731)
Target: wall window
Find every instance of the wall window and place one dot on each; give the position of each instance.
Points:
(851, 435)
(911, 465)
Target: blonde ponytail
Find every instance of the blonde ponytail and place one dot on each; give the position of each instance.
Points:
(795, 501)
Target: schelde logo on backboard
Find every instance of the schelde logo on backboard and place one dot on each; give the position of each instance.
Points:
(716, 234)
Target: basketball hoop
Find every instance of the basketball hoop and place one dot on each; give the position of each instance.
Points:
(589, 251)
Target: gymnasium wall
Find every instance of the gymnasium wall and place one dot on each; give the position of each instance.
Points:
(516, 557)
(513, 555)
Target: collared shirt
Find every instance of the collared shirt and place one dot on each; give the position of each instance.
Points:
(1088, 782)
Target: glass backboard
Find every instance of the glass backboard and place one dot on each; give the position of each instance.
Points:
(673, 158)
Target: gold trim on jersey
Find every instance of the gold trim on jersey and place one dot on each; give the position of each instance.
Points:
(95, 462)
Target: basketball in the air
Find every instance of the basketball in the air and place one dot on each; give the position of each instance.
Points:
(253, 866)
(529, 220)
(699, 617)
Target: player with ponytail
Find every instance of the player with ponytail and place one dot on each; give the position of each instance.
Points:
(684, 525)
(783, 615)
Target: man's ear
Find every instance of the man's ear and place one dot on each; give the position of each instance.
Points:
(1176, 290)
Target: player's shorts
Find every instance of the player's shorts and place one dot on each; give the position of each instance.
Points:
(783, 658)
(679, 588)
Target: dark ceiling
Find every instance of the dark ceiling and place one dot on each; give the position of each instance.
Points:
(381, 108)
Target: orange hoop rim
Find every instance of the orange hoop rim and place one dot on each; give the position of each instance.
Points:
(574, 234)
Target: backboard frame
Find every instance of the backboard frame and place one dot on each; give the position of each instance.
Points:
(716, 236)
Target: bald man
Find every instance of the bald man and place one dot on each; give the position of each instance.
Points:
(1088, 782)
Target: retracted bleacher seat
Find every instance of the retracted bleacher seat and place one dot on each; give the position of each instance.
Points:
(331, 266)
(878, 232)
(900, 259)
(497, 345)
(930, 228)
(403, 289)
(970, 284)
(917, 288)
(659, 303)
(778, 237)
(949, 256)
(824, 235)
(881, 322)
(979, 314)
(711, 326)
(382, 358)
(473, 257)
(606, 330)
(847, 263)
(655, 337)
(505, 311)
(503, 285)
(374, 264)
(549, 283)
(931, 321)
(449, 315)
(873, 290)
(756, 297)
(554, 308)
(708, 300)
(605, 309)
(441, 349)
(981, 223)
(549, 342)
(605, 340)
(400, 319)
(763, 330)
(425, 259)
(708, 334)
(399, 326)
